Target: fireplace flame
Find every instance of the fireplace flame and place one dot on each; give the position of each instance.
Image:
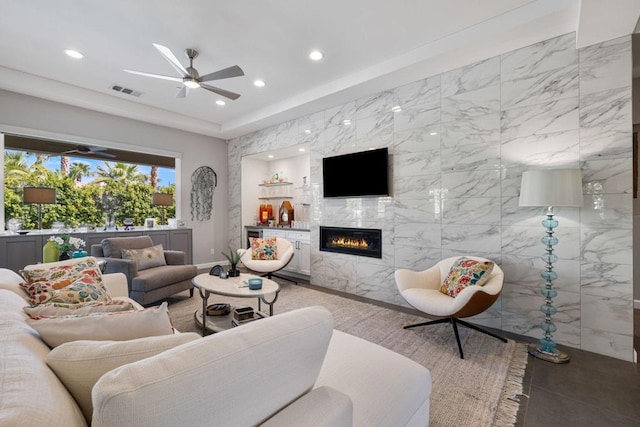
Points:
(344, 242)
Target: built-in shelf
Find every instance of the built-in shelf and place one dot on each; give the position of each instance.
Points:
(275, 184)
(275, 197)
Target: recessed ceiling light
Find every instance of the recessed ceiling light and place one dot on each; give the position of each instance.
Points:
(396, 109)
(316, 55)
(346, 122)
(220, 102)
(259, 83)
(307, 131)
(301, 150)
(270, 156)
(74, 53)
(433, 133)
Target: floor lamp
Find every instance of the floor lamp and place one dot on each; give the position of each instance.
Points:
(40, 196)
(162, 200)
(550, 188)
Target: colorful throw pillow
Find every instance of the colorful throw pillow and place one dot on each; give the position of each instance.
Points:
(80, 364)
(147, 257)
(62, 309)
(69, 282)
(118, 326)
(264, 249)
(466, 272)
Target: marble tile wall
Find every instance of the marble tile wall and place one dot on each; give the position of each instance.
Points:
(459, 142)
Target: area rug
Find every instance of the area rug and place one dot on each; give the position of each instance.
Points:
(480, 390)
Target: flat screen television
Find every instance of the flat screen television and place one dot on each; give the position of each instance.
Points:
(361, 174)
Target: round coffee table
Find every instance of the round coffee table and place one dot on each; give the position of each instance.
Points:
(231, 287)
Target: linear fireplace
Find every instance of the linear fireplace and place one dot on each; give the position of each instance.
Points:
(353, 241)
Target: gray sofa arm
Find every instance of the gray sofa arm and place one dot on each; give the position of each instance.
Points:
(126, 266)
(96, 250)
(175, 257)
(321, 407)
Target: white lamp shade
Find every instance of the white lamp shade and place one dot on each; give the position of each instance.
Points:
(551, 187)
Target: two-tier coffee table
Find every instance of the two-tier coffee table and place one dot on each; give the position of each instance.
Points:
(208, 284)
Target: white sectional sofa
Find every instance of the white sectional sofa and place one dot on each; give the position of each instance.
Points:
(289, 369)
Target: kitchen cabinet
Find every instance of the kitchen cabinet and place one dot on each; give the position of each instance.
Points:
(301, 241)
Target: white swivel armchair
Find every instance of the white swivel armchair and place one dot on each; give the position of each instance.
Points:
(421, 289)
(284, 255)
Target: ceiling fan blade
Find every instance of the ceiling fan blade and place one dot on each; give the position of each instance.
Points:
(222, 92)
(169, 56)
(182, 93)
(95, 148)
(69, 152)
(157, 76)
(234, 71)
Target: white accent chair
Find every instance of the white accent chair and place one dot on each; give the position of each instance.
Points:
(284, 255)
(421, 289)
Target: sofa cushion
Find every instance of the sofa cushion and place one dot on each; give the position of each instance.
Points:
(146, 258)
(118, 326)
(11, 306)
(242, 376)
(466, 272)
(11, 281)
(74, 281)
(30, 393)
(56, 310)
(79, 364)
(159, 277)
(264, 249)
(112, 247)
(397, 394)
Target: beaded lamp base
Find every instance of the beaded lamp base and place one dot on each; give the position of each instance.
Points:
(555, 357)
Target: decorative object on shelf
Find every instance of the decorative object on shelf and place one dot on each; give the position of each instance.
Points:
(14, 225)
(79, 254)
(219, 309)
(128, 223)
(162, 200)
(286, 214)
(50, 252)
(40, 196)
(66, 245)
(234, 258)
(149, 223)
(550, 188)
(203, 183)
(109, 203)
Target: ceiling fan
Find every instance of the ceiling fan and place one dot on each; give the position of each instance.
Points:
(190, 77)
(98, 151)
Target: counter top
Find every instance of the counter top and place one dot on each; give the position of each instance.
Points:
(266, 227)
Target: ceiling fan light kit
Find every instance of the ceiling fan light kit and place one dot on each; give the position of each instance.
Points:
(190, 76)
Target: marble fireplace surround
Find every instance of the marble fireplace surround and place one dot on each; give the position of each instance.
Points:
(459, 145)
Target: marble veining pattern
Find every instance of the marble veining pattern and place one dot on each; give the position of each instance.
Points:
(475, 76)
(551, 54)
(459, 146)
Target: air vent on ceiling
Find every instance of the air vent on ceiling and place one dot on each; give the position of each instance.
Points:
(125, 90)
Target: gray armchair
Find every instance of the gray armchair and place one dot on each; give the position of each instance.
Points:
(148, 285)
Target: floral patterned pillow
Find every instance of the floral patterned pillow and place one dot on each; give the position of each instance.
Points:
(264, 249)
(70, 282)
(147, 257)
(466, 272)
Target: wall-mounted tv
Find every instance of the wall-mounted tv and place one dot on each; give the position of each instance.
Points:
(361, 174)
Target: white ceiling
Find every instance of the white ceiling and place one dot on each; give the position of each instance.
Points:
(369, 45)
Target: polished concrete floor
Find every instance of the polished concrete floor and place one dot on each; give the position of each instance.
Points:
(590, 390)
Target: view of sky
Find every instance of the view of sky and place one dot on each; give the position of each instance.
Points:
(166, 176)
